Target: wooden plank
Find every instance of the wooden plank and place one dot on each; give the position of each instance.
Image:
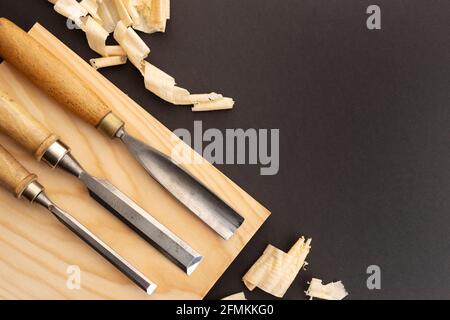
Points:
(36, 250)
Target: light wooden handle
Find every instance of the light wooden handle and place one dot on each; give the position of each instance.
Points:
(49, 73)
(12, 174)
(20, 125)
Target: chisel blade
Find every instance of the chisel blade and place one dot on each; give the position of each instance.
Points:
(103, 249)
(189, 191)
(142, 223)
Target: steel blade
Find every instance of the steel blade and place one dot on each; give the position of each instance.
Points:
(189, 191)
(103, 249)
(143, 223)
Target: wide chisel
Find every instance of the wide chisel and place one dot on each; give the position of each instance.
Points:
(20, 125)
(55, 78)
(25, 185)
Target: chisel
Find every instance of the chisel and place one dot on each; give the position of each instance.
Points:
(20, 125)
(55, 78)
(23, 184)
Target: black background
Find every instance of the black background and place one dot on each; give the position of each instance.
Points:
(364, 119)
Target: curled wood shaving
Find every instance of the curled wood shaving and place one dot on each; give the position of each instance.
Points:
(123, 13)
(220, 104)
(132, 11)
(71, 9)
(275, 270)
(108, 14)
(92, 7)
(236, 296)
(164, 86)
(133, 45)
(104, 62)
(161, 84)
(96, 36)
(114, 51)
(154, 15)
(330, 291)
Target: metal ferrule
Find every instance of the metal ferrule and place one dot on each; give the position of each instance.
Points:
(44, 201)
(55, 153)
(70, 165)
(32, 191)
(110, 125)
(58, 155)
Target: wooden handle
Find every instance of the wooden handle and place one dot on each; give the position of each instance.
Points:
(50, 74)
(20, 125)
(12, 174)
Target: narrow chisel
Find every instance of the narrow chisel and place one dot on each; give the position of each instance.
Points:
(55, 78)
(20, 125)
(24, 185)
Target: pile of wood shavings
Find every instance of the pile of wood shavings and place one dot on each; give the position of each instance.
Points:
(99, 18)
(275, 271)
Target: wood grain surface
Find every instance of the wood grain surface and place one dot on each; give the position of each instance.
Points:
(36, 250)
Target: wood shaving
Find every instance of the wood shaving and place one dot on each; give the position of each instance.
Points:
(330, 291)
(133, 45)
(92, 8)
(236, 296)
(108, 14)
(164, 86)
(154, 15)
(132, 11)
(96, 36)
(221, 104)
(99, 18)
(114, 51)
(275, 270)
(161, 84)
(123, 13)
(104, 62)
(72, 10)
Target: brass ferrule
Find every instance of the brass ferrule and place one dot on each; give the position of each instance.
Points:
(110, 125)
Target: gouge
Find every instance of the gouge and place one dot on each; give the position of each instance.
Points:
(55, 78)
(23, 184)
(20, 125)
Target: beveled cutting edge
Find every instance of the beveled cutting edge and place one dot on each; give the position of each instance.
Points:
(189, 191)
